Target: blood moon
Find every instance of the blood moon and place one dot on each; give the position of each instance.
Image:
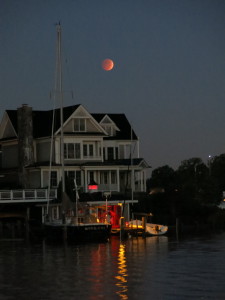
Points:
(107, 64)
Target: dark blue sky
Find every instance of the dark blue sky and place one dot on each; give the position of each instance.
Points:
(169, 75)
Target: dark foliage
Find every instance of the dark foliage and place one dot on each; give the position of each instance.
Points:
(192, 193)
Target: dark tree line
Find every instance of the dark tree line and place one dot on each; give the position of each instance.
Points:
(191, 193)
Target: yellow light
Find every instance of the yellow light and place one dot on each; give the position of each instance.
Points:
(122, 273)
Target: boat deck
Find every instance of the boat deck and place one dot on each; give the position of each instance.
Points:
(128, 231)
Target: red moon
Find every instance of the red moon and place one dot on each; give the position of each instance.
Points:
(107, 64)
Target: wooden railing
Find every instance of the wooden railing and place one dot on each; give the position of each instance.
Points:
(29, 195)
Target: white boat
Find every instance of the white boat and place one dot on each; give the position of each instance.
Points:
(151, 229)
(71, 226)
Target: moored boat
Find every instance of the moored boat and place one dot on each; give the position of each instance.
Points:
(151, 229)
(71, 226)
(77, 233)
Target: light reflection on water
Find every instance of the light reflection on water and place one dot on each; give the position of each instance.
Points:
(122, 273)
(151, 268)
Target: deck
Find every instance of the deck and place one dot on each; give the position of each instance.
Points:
(27, 195)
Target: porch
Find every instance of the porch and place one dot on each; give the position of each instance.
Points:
(27, 196)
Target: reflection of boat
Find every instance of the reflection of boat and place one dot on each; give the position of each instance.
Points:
(152, 229)
(73, 226)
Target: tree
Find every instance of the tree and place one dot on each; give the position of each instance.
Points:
(198, 191)
(192, 192)
(163, 178)
(217, 171)
(163, 194)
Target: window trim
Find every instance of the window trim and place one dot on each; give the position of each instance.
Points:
(77, 126)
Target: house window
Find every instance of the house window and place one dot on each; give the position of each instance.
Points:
(121, 151)
(91, 176)
(117, 153)
(110, 153)
(113, 177)
(88, 150)
(79, 125)
(72, 151)
(109, 129)
(77, 150)
(124, 151)
(85, 150)
(75, 175)
(104, 177)
(108, 177)
(53, 181)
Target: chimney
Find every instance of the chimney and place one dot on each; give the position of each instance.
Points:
(25, 142)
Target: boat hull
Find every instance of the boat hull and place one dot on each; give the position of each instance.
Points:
(151, 229)
(82, 233)
(156, 229)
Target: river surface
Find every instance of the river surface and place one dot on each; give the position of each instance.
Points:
(152, 268)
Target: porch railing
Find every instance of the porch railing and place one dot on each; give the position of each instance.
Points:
(108, 187)
(29, 195)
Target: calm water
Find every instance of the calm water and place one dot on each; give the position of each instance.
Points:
(154, 268)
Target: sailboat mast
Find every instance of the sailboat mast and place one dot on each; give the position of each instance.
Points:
(60, 93)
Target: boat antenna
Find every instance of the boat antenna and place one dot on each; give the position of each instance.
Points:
(53, 121)
(51, 154)
(60, 93)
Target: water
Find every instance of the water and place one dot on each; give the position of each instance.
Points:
(151, 268)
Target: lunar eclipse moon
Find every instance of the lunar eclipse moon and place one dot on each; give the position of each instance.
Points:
(107, 64)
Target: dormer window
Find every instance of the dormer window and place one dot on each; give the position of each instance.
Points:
(109, 126)
(109, 129)
(79, 125)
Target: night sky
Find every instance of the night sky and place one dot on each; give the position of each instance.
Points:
(169, 74)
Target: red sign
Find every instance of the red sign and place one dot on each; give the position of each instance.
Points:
(93, 187)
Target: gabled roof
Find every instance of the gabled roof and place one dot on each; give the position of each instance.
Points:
(108, 121)
(42, 122)
(122, 123)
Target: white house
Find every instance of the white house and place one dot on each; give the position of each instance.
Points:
(100, 149)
